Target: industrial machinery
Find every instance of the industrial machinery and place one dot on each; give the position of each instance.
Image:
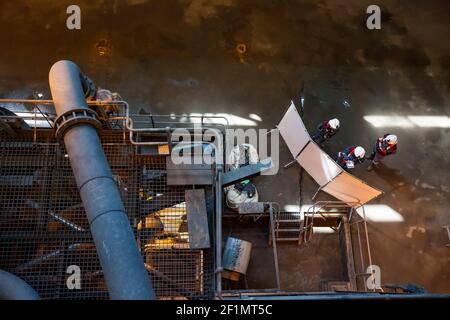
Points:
(56, 201)
(93, 205)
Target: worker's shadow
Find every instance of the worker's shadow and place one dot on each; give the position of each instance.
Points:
(390, 175)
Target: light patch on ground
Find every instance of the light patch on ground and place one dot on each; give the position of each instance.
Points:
(425, 185)
(325, 230)
(379, 213)
(411, 229)
(255, 117)
(421, 199)
(199, 10)
(394, 121)
(296, 208)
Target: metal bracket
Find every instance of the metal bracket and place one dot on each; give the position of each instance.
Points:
(245, 172)
(74, 117)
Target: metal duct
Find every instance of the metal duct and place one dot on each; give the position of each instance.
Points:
(14, 288)
(123, 266)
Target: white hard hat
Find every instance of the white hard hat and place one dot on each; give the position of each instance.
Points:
(391, 139)
(334, 123)
(360, 152)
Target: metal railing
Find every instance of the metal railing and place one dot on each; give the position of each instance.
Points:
(132, 127)
(133, 124)
(355, 222)
(317, 208)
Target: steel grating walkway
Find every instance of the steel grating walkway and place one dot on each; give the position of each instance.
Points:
(44, 229)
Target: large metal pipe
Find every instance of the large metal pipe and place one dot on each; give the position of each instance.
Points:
(123, 266)
(14, 288)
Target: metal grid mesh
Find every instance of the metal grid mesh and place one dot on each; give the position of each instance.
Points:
(44, 229)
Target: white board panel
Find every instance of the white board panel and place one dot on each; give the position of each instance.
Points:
(293, 130)
(349, 189)
(329, 175)
(318, 164)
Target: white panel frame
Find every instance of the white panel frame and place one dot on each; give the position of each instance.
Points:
(318, 164)
(331, 178)
(350, 189)
(293, 130)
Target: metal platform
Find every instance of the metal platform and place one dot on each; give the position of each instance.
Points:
(44, 230)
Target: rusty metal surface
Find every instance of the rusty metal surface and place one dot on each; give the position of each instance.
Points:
(197, 219)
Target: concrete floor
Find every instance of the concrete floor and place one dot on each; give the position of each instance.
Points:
(179, 57)
(302, 268)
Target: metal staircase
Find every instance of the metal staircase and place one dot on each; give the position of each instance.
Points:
(299, 226)
(350, 226)
(288, 226)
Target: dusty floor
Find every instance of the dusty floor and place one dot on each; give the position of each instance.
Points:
(179, 57)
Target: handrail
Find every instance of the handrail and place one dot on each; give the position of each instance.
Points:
(127, 119)
(315, 208)
(123, 103)
(319, 205)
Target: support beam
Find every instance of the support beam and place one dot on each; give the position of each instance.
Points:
(246, 172)
(347, 258)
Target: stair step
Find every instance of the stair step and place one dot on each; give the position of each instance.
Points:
(291, 226)
(288, 230)
(287, 239)
(288, 221)
(330, 214)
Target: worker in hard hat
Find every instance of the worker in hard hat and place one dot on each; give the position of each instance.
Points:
(384, 146)
(326, 130)
(351, 156)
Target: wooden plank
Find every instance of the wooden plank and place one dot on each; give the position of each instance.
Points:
(197, 219)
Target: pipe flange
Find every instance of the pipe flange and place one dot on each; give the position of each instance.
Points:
(75, 117)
